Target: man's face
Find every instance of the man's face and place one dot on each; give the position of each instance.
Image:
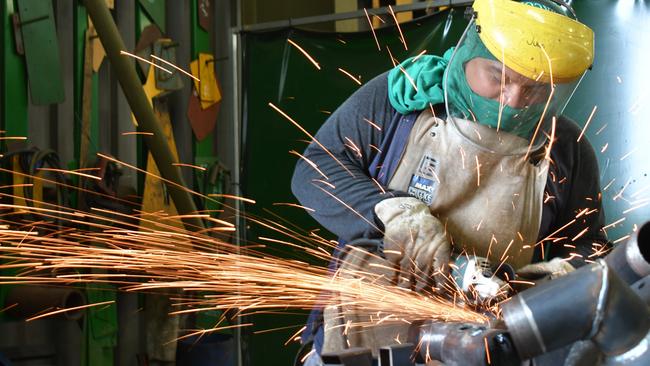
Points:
(490, 79)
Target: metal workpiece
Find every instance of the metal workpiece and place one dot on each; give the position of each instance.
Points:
(463, 344)
(354, 356)
(31, 300)
(590, 303)
(639, 355)
(631, 260)
(156, 142)
(397, 355)
(642, 289)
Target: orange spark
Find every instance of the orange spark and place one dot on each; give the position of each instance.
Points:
(293, 205)
(145, 60)
(593, 111)
(237, 198)
(401, 35)
(190, 166)
(356, 80)
(176, 67)
(63, 171)
(372, 29)
(68, 309)
(311, 59)
(308, 161)
(137, 133)
(372, 124)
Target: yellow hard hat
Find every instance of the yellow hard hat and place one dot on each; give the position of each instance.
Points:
(537, 43)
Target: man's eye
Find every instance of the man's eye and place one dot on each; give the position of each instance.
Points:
(495, 77)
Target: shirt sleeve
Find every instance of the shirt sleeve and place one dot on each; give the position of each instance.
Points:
(574, 199)
(333, 177)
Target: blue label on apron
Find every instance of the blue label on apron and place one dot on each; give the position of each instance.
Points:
(421, 188)
(422, 182)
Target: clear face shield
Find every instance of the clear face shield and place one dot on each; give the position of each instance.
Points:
(485, 89)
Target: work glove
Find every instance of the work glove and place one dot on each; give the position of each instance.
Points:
(554, 268)
(415, 243)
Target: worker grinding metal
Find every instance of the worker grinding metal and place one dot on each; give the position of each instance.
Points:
(462, 156)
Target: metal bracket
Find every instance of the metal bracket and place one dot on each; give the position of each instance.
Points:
(165, 49)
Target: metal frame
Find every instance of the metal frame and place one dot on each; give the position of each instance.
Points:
(350, 15)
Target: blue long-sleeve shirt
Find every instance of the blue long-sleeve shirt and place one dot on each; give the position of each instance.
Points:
(343, 194)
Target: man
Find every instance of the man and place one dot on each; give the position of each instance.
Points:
(465, 154)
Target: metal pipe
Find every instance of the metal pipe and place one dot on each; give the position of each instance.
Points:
(631, 260)
(463, 344)
(31, 300)
(590, 303)
(637, 356)
(147, 122)
(642, 289)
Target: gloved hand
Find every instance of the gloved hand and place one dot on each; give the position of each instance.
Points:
(554, 268)
(414, 242)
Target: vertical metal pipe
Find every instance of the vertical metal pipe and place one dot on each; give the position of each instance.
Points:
(147, 122)
(236, 68)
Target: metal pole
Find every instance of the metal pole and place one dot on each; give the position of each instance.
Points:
(236, 65)
(147, 122)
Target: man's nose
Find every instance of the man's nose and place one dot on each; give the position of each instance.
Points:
(514, 96)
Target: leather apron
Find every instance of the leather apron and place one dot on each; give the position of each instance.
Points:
(488, 197)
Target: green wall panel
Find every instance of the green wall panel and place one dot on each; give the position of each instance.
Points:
(618, 85)
(14, 79)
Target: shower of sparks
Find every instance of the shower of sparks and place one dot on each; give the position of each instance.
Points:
(176, 67)
(356, 80)
(372, 29)
(234, 277)
(401, 35)
(311, 59)
(593, 111)
(145, 60)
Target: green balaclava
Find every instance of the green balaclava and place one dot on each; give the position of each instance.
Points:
(428, 72)
(464, 102)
